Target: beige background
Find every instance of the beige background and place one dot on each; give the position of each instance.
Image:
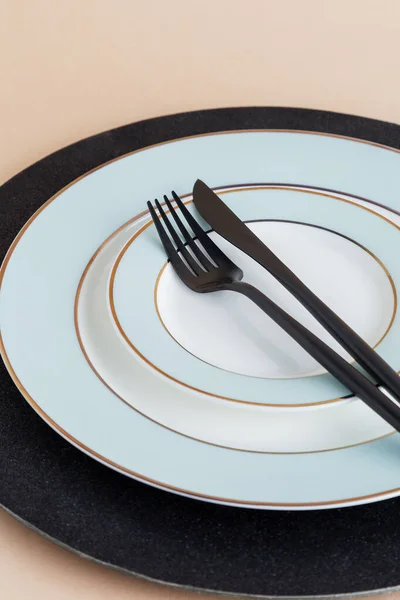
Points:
(73, 68)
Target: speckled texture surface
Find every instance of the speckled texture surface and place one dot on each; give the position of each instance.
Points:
(75, 500)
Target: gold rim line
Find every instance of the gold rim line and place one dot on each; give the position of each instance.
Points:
(58, 428)
(388, 328)
(174, 379)
(93, 368)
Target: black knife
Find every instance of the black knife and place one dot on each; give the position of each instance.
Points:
(224, 221)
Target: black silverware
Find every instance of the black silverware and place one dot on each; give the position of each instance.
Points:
(204, 268)
(229, 226)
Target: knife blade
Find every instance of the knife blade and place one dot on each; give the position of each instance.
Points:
(224, 221)
(227, 224)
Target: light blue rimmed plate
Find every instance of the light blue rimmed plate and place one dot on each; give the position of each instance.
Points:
(39, 281)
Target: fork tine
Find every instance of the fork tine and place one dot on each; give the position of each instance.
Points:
(172, 254)
(174, 258)
(181, 247)
(188, 237)
(166, 242)
(212, 249)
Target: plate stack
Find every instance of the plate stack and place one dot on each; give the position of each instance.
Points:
(217, 440)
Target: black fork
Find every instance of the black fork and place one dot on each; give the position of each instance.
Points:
(204, 268)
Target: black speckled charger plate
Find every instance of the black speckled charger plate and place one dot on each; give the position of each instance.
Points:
(69, 497)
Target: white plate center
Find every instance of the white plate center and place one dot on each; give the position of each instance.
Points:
(226, 330)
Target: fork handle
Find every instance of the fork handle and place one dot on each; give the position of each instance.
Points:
(355, 381)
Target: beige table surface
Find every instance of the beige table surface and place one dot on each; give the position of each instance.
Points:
(72, 68)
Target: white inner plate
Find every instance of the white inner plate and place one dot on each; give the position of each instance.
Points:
(42, 271)
(202, 417)
(229, 332)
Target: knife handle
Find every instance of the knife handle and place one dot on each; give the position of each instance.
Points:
(370, 360)
(355, 381)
